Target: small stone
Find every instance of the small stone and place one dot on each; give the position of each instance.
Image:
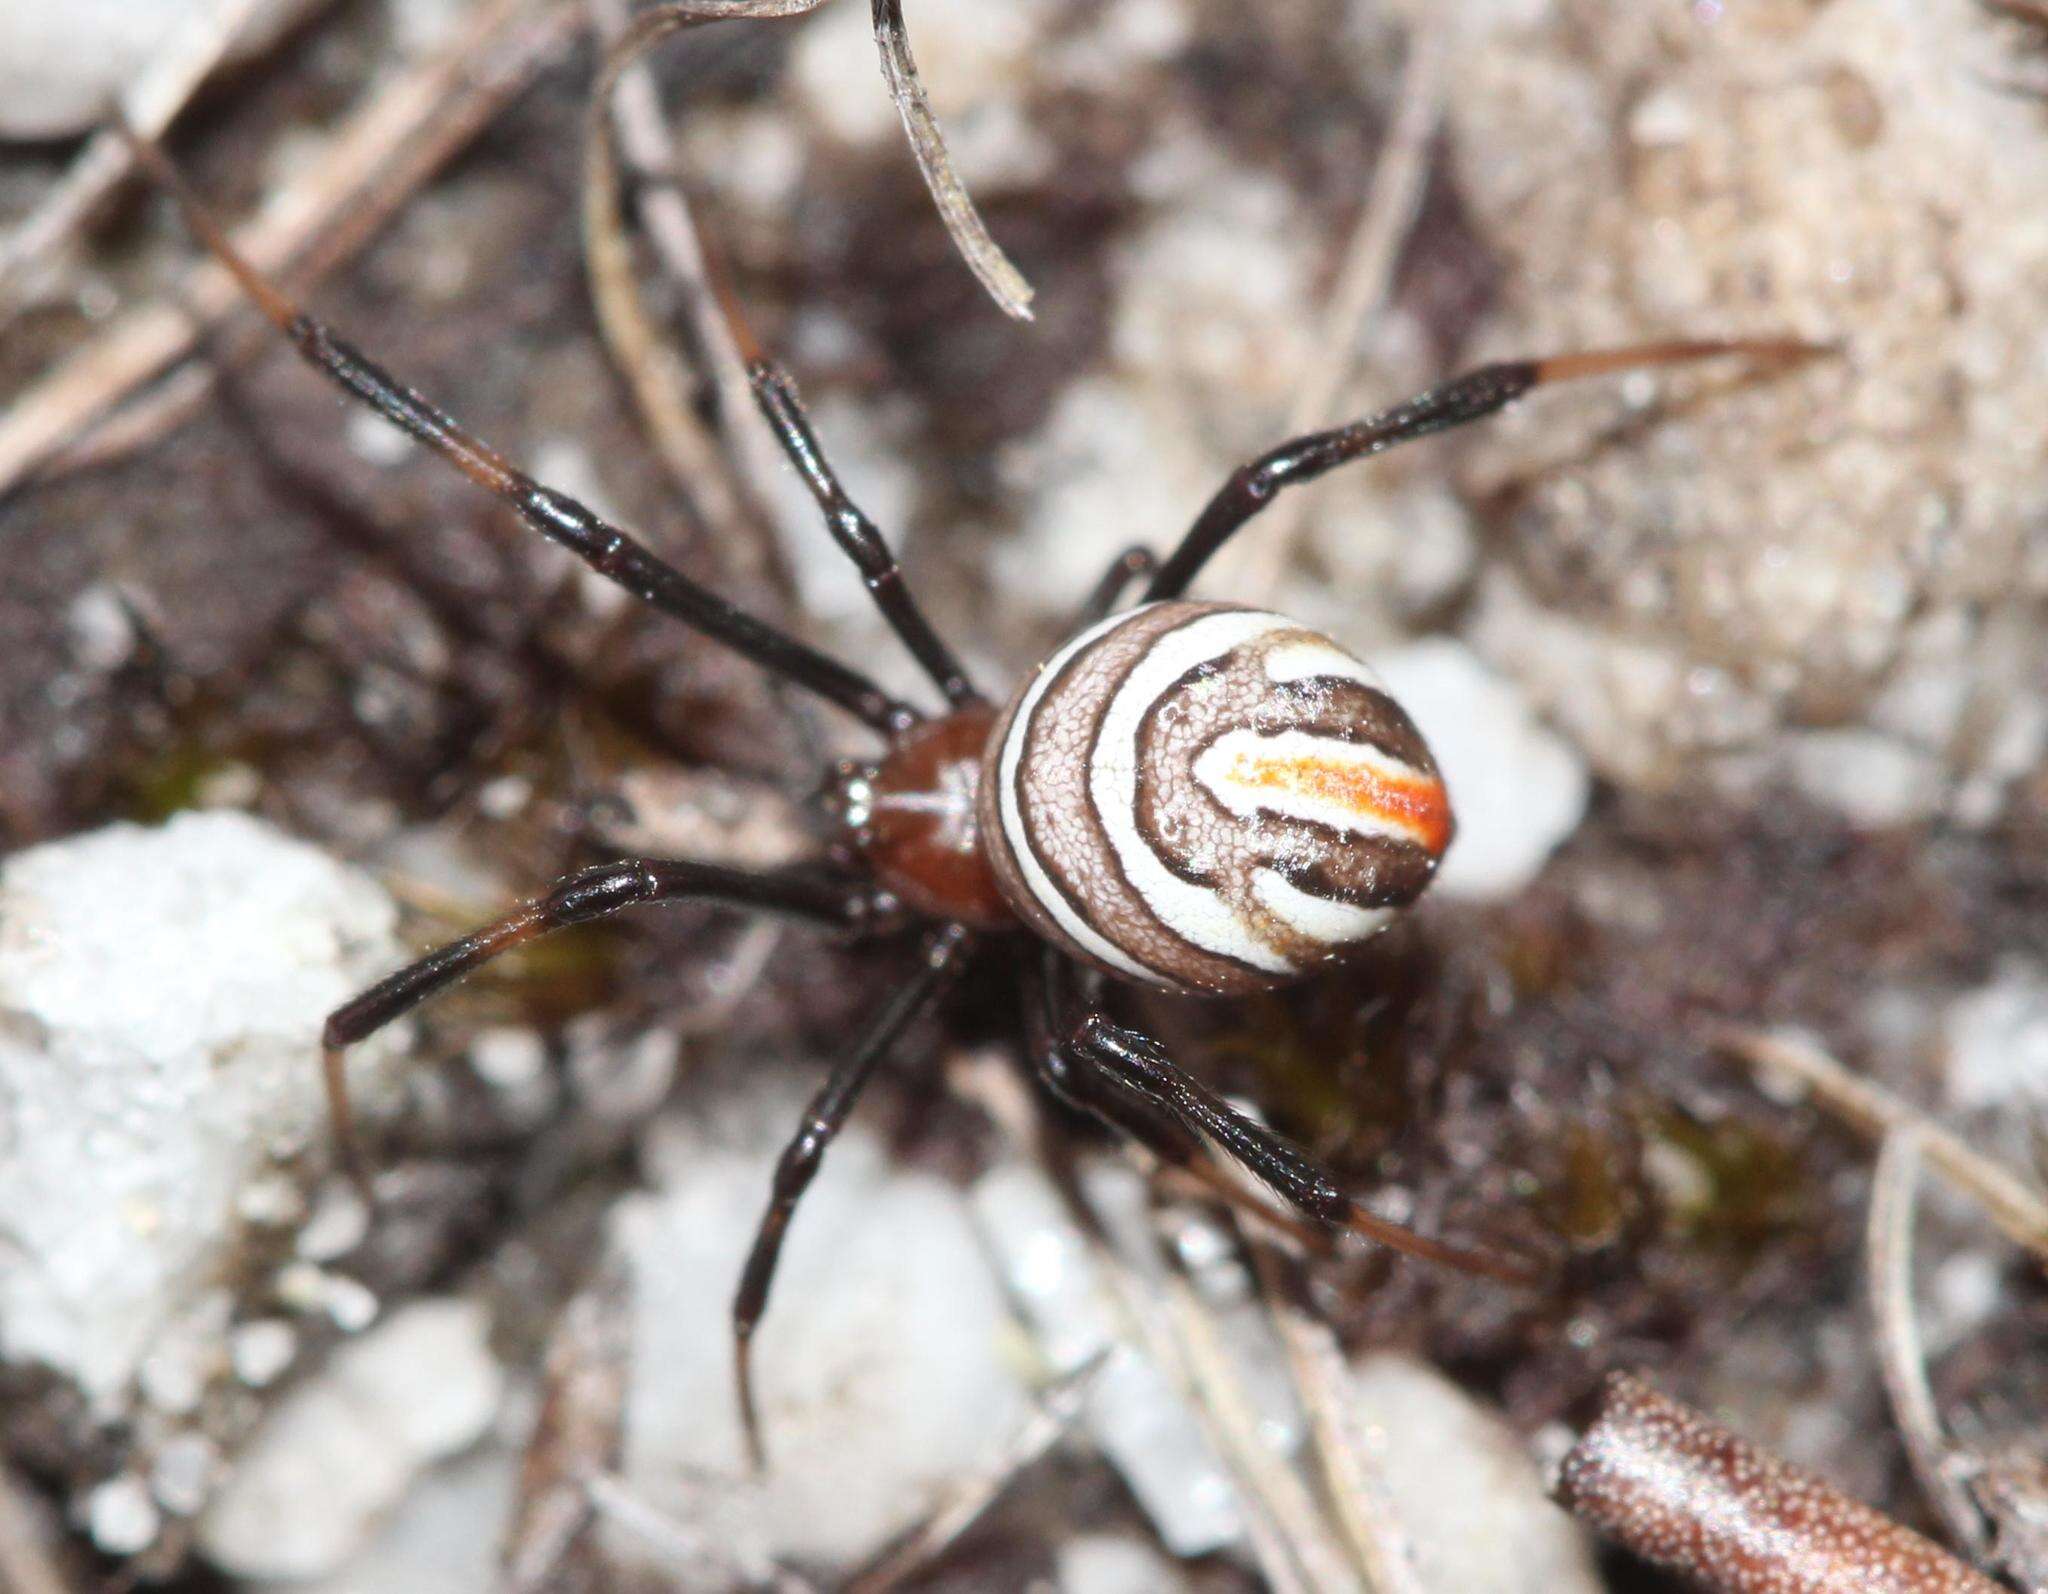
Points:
(184, 1473)
(161, 995)
(881, 1365)
(121, 1517)
(337, 1227)
(261, 1350)
(340, 1452)
(1997, 1042)
(1108, 1563)
(1467, 1495)
(61, 66)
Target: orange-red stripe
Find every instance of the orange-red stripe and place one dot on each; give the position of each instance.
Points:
(1418, 804)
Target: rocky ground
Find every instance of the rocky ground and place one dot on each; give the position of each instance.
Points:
(1738, 678)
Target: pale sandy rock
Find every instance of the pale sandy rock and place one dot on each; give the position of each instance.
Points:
(884, 1364)
(340, 1453)
(161, 996)
(61, 66)
(1466, 1496)
(1771, 168)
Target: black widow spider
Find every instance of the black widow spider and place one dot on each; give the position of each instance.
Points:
(1198, 796)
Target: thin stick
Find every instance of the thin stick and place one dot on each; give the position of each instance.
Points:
(723, 487)
(1055, 1413)
(984, 256)
(1683, 1492)
(1356, 1486)
(2014, 1206)
(1253, 568)
(1888, 1241)
(1266, 1477)
(148, 105)
(691, 1552)
(504, 44)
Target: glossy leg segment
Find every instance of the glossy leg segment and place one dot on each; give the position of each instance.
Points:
(945, 953)
(607, 549)
(1466, 398)
(589, 894)
(1124, 1061)
(775, 391)
(1133, 564)
(1093, 1092)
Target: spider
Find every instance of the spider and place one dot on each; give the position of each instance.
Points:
(1201, 797)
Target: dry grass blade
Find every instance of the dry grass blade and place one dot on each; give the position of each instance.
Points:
(578, 1437)
(699, 1563)
(388, 147)
(1005, 284)
(1282, 1499)
(1056, 1412)
(1894, 1199)
(984, 256)
(1357, 1489)
(2017, 1208)
(722, 488)
(1252, 567)
(148, 106)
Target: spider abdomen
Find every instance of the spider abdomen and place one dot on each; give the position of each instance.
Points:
(1207, 797)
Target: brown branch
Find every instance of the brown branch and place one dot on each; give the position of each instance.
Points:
(1683, 1492)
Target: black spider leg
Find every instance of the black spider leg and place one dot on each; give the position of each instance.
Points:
(775, 392)
(1133, 564)
(1093, 1092)
(945, 953)
(607, 549)
(1470, 397)
(593, 893)
(1124, 1060)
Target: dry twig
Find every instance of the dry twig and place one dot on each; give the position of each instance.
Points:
(1357, 1489)
(1685, 1493)
(25, 1565)
(1055, 1413)
(578, 1437)
(984, 257)
(1894, 1199)
(702, 471)
(392, 144)
(2012, 1204)
(1005, 284)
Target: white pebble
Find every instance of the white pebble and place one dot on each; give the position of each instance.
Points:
(881, 1365)
(261, 1350)
(1466, 1495)
(161, 995)
(338, 1454)
(184, 1473)
(121, 1517)
(1997, 1042)
(1517, 788)
(1108, 1563)
(62, 65)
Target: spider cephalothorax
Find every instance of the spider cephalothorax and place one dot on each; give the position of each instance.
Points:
(1196, 796)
